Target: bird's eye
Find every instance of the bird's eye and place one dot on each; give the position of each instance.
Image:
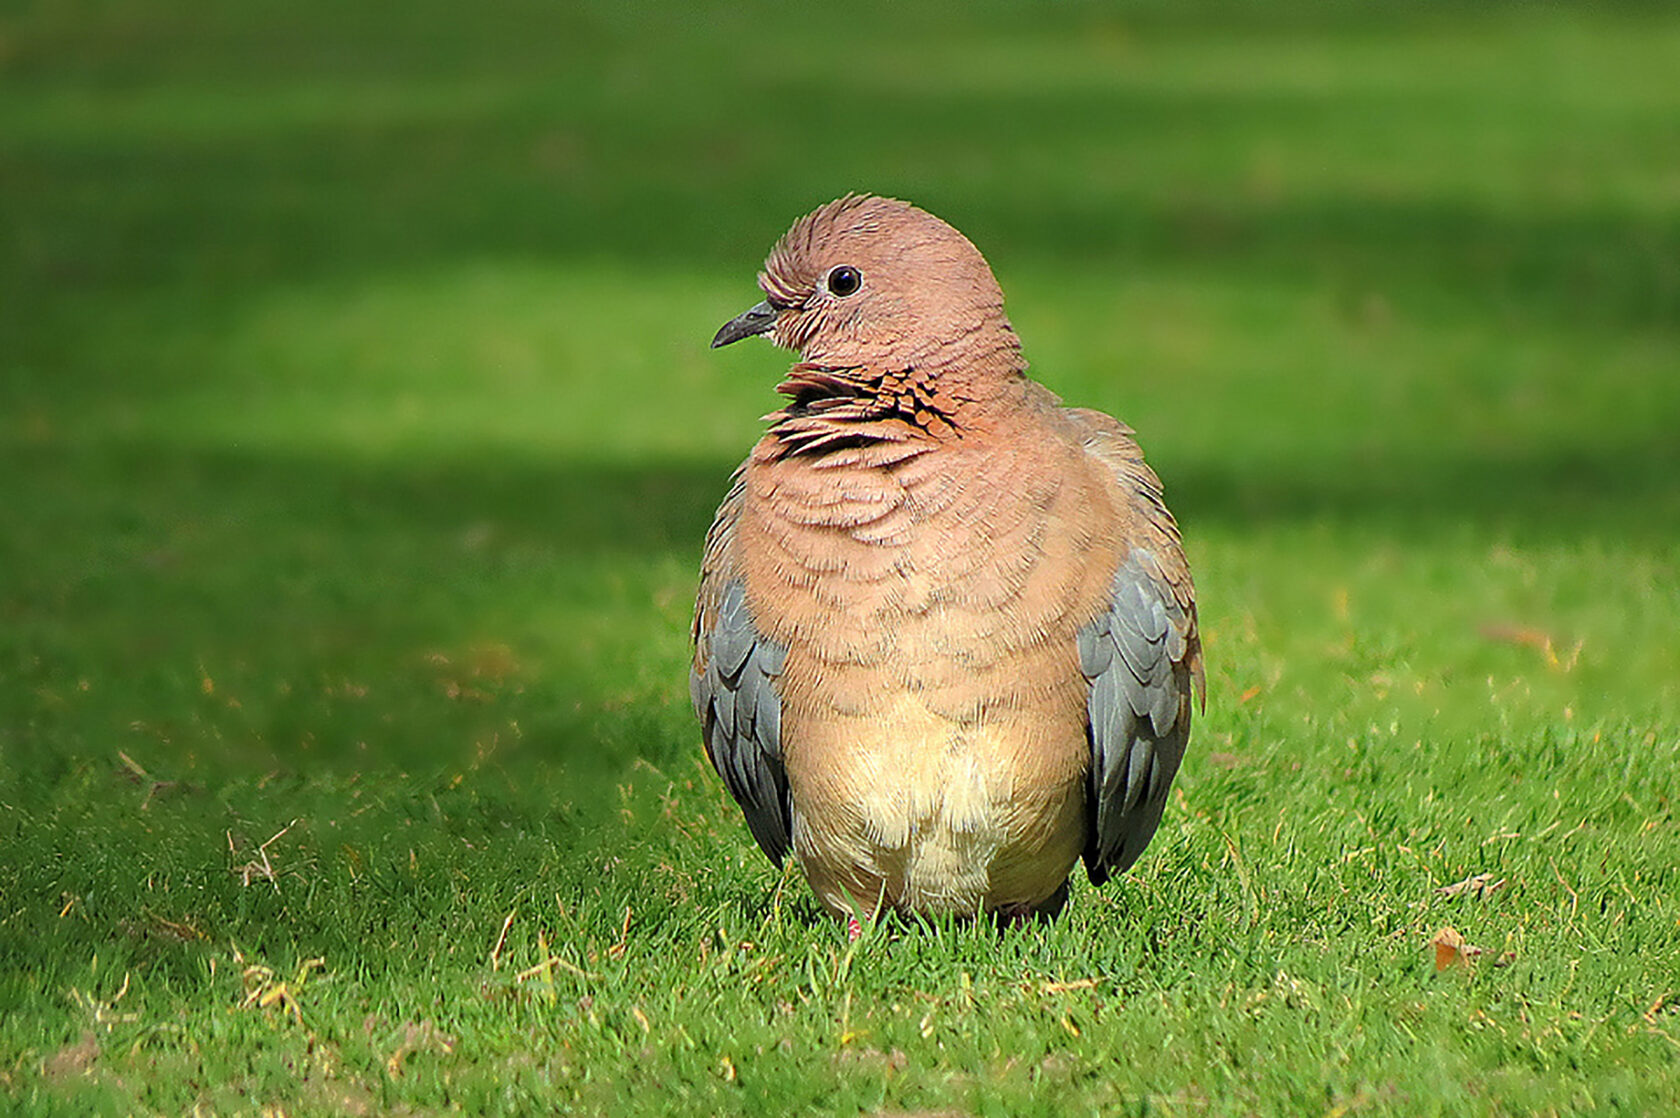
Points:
(844, 280)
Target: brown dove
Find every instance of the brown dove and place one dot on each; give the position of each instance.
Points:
(946, 638)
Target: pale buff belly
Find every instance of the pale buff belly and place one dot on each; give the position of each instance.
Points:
(902, 808)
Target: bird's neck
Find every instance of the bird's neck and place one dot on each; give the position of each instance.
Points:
(831, 408)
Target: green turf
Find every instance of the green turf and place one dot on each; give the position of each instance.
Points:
(359, 436)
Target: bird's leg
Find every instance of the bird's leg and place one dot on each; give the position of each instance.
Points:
(854, 918)
(1015, 915)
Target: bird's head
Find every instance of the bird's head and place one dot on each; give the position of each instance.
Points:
(867, 282)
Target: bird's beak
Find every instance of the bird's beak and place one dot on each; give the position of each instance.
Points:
(757, 320)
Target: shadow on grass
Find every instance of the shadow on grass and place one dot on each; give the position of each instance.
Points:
(218, 613)
(252, 212)
(1627, 490)
(628, 143)
(265, 612)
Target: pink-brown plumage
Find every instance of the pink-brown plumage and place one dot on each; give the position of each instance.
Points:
(946, 637)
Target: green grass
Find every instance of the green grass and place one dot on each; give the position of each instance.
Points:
(358, 438)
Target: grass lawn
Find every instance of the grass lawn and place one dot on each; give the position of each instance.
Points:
(358, 437)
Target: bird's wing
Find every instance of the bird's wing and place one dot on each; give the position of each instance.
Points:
(733, 684)
(1141, 656)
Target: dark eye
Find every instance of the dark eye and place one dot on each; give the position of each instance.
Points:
(844, 280)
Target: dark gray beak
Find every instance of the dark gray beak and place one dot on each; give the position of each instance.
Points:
(757, 320)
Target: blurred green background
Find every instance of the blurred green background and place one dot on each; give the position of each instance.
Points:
(358, 429)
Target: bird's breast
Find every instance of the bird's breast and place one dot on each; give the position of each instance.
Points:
(936, 565)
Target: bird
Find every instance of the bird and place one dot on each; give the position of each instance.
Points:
(945, 642)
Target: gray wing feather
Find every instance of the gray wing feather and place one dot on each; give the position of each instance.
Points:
(1133, 655)
(1095, 649)
(733, 636)
(735, 699)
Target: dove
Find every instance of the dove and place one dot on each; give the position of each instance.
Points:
(945, 640)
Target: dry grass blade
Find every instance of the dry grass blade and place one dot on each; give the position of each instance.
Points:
(105, 1012)
(1069, 987)
(1481, 885)
(550, 963)
(496, 951)
(263, 992)
(260, 866)
(1538, 639)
